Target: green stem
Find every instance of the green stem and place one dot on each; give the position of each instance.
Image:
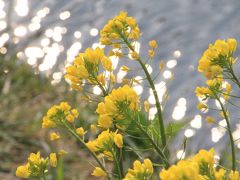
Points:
(120, 175)
(155, 146)
(101, 87)
(229, 132)
(158, 105)
(234, 77)
(84, 144)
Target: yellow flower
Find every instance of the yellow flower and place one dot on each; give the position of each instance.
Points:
(210, 119)
(75, 113)
(220, 174)
(146, 106)
(101, 79)
(109, 155)
(53, 159)
(54, 136)
(34, 158)
(92, 145)
(70, 118)
(228, 88)
(98, 172)
(214, 59)
(47, 123)
(205, 156)
(118, 27)
(118, 139)
(124, 68)
(22, 171)
(112, 78)
(93, 128)
(153, 44)
(161, 65)
(105, 121)
(148, 165)
(64, 106)
(86, 67)
(140, 170)
(62, 152)
(120, 99)
(151, 53)
(134, 55)
(107, 63)
(80, 131)
(232, 44)
(201, 106)
(234, 175)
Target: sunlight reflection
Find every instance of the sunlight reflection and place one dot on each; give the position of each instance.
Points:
(236, 135)
(2, 14)
(93, 32)
(3, 39)
(171, 63)
(189, 133)
(45, 42)
(180, 154)
(96, 90)
(167, 74)
(217, 133)
(64, 15)
(43, 12)
(115, 61)
(152, 112)
(21, 7)
(197, 122)
(161, 90)
(180, 109)
(177, 54)
(149, 68)
(218, 104)
(51, 58)
(138, 89)
(73, 51)
(120, 75)
(3, 50)
(3, 25)
(34, 52)
(32, 61)
(77, 34)
(20, 31)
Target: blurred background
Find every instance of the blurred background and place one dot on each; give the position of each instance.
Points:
(38, 39)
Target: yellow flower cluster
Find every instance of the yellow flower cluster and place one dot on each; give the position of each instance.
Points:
(98, 172)
(216, 57)
(118, 27)
(140, 170)
(190, 169)
(36, 166)
(199, 167)
(86, 67)
(115, 105)
(151, 52)
(104, 143)
(57, 114)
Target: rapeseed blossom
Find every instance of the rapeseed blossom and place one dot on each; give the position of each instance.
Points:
(36, 166)
(86, 68)
(115, 105)
(57, 114)
(120, 26)
(140, 170)
(216, 58)
(105, 143)
(98, 172)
